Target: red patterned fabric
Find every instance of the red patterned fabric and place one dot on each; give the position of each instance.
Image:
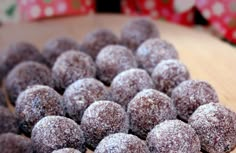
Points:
(170, 10)
(221, 14)
(37, 9)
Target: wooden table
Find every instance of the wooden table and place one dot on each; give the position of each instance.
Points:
(206, 57)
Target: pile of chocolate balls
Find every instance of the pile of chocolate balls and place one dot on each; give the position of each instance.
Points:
(111, 95)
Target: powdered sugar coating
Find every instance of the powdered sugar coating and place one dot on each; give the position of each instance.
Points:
(13, 143)
(66, 150)
(16, 53)
(79, 95)
(26, 74)
(190, 94)
(96, 40)
(173, 136)
(102, 118)
(56, 132)
(112, 60)
(137, 31)
(127, 83)
(35, 103)
(8, 121)
(215, 126)
(147, 109)
(71, 66)
(168, 74)
(121, 143)
(55, 47)
(153, 51)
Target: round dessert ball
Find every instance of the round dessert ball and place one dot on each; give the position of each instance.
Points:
(35, 103)
(17, 53)
(102, 118)
(168, 74)
(71, 66)
(215, 126)
(147, 109)
(190, 94)
(96, 40)
(8, 121)
(55, 47)
(137, 31)
(112, 60)
(2, 98)
(13, 143)
(26, 74)
(57, 132)
(153, 51)
(66, 150)
(121, 143)
(173, 136)
(127, 83)
(79, 95)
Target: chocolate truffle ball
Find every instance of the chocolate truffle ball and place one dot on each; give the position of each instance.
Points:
(137, 31)
(102, 118)
(35, 103)
(96, 40)
(57, 132)
(112, 60)
(147, 109)
(121, 143)
(13, 143)
(127, 83)
(17, 53)
(55, 47)
(66, 150)
(168, 74)
(8, 121)
(71, 66)
(173, 136)
(26, 74)
(215, 126)
(190, 94)
(79, 95)
(153, 51)
(2, 98)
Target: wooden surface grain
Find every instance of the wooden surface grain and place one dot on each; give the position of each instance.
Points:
(206, 57)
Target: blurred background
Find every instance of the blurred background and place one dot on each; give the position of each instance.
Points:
(217, 17)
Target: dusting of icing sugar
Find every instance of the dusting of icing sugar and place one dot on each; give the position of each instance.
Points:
(122, 143)
(56, 132)
(153, 51)
(127, 83)
(27, 74)
(96, 40)
(79, 95)
(71, 66)
(102, 118)
(137, 31)
(147, 109)
(173, 136)
(190, 94)
(66, 150)
(55, 47)
(215, 126)
(168, 74)
(112, 60)
(36, 102)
